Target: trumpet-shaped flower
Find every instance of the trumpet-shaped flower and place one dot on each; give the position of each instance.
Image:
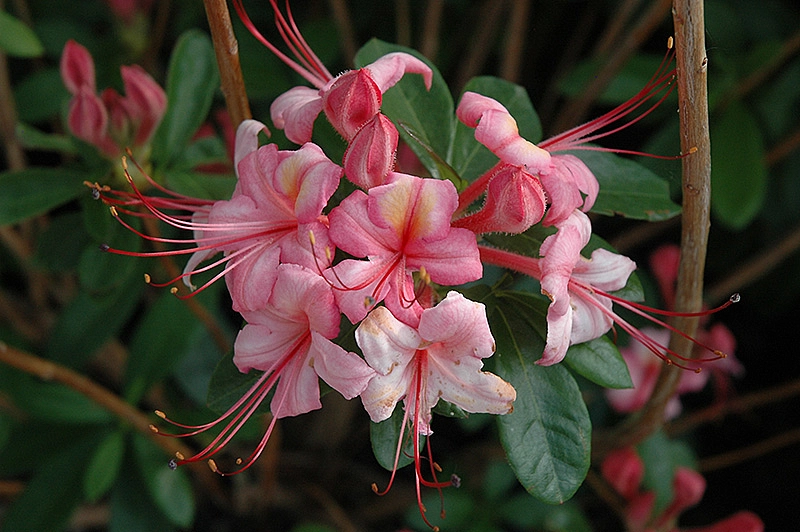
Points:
(111, 122)
(440, 358)
(401, 227)
(273, 216)
(289, 340)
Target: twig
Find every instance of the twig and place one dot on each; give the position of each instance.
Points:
(227, 50)
(756, 267)
(402, 22)
(347, 36)
(783, 148)
(515, 43)
(52, 372)
(480, 46)
(578, 107)
(429, 46)
(740, 404)
(688, 18)
(761, 448)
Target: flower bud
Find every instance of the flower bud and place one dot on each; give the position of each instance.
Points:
(146, 101)
(77, 68)
(371, 154)
(351, 101)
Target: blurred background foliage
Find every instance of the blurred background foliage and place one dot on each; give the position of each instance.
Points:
(68, 462)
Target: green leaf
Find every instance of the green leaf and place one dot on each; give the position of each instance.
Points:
(204, 186)
(429, 114)
(228, 385)
(60, 247)
(158, 344)
(385, 437)
(599, 361)
(53, 492)
(191, 83)
(738, 171)
(34, 139)
(662, 457)
(131, 507)
(17, 39)
(628, 188)
(547, 437)
(40, 95)
(104, 466)
(34, 191)
(54, 403)
(469, 157)
(170, 490)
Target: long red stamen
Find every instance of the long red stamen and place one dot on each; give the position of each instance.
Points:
(308, 65)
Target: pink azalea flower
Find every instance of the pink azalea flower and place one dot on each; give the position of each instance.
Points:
(581, 307)
(440, 358)
(351, 101)
(566, 180)
(111, 122)
(623, 469)
(401, 227)
(274, 216)
(289, 340)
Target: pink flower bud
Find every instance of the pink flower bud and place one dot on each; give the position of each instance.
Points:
(351, 101)
(623, 469)
(88, 120)
(739, 522)
(515, 200)
(77, 68)
(146, 101)
(370, 156)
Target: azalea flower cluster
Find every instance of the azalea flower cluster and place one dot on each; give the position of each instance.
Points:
(295, 259)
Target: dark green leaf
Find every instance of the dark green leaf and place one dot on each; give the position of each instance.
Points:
(547, 437)
(631, 79)
(628, 188)
(228, 385)
(158, 344)
(662, 457)
(469, 157)
(103, 467)
(54, 403)
(60, 246)
(131, 507)
(599, 361)
(17, 39)
(40, 96)
(53, 492)
(34, 191)
(386, 435)
(429, 114)
(738, 172)
(191, 83)
(205, 186)
(170, 490)
(34, 139)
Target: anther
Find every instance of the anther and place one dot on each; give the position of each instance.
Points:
(312, 238)
(173, 290)
(114, 212)
(125, 163)
(239, 461)
(670, 42)
(160, 414)
(437, 467)
(369, 301)
(374, 487)
(153, 428)
(179, 455)
(213, 466)
(147, 278)
(698, 370)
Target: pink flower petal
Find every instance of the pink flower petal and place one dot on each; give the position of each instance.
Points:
(295, 111)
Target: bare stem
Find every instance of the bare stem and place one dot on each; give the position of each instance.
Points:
(688, 18)
(52, 372)
(227, 50)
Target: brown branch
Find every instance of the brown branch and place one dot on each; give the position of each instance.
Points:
(347, 35)
(429, 46)
(227, 50)
(783, 148)
(759, 265)
(52, 372)
(745, 403)
(515, 42)
(750, 452)
(576, 110)
(480, 46)
(688, 17)
(402, 22)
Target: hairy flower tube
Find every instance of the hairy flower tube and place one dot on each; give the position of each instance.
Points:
(401, 228)
(111, 122)
(440, 358)
(288, 339)
(351, 101)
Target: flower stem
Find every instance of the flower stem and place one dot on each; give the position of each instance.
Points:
(227, 50)
(688, 18)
